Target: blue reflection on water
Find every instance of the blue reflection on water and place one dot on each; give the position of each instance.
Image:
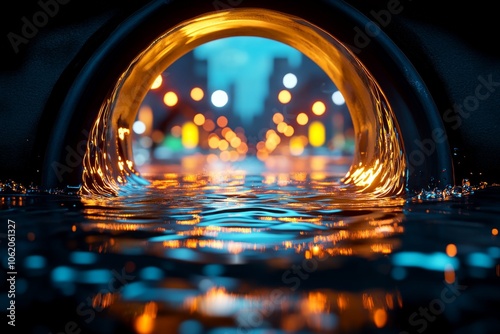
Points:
(83, 257)
(35, 262)
(478, 259)
(435, 261)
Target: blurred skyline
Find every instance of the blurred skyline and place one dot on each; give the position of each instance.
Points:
(238, 97)
(245, 63)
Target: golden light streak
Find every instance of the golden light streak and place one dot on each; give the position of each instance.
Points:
(368, 301)
(157, 83)
(316, 302)
(102, 300)
(342, 302)
(122, 132)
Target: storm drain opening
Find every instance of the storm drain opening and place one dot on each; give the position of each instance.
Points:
(159, 112)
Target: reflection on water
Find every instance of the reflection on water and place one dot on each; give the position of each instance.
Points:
(253, 249)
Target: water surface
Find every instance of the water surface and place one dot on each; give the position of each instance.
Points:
(253, 250)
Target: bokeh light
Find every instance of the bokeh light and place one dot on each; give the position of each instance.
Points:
(316, 134)
(199, 119)
(338, 98)
(318, 108)
(197, 94)
(219, 98)
(290, 80)
(302, 119)
(170, 99)
(284, 96)
(139, 127)
(157, 83)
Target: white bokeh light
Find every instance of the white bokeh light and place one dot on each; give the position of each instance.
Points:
(337, 98)
(290, 80)
(139, 127)
(219, 98)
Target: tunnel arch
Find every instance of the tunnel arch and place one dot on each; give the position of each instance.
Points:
(391, 108)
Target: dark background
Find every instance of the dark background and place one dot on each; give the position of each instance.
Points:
(450, 46)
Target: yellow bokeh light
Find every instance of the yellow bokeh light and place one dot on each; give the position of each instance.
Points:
(197, 94)
(229, 135)
(190, 135)
(199, 119)
(235, 142)
(317, 134)
(278, 118)
(318, 108)
(170, 99)
(302, 119)
(213, 141)
(282, 127)
(157, 83)
(223, 145)
(296, 146)
(289, 131)
(284, 96)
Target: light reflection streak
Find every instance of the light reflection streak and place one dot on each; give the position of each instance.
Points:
(322, 310)
(219, 217)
